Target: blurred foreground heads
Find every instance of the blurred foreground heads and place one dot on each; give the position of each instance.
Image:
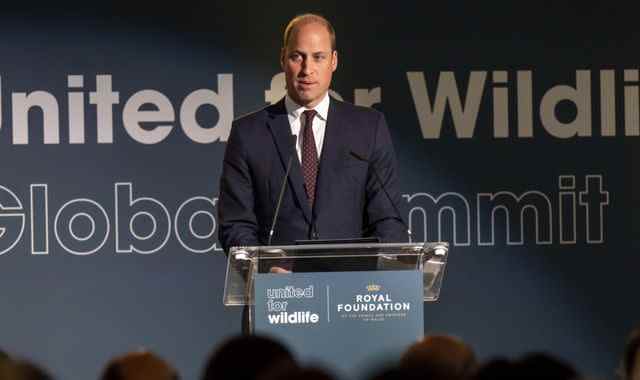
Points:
(247, 357)
(439, 357)
(139, 366)
(531, 366)
(7, 368)
(297, 373)
(20, 370)
(631, 359)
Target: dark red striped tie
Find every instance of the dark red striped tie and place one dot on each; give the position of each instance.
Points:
(309, 156)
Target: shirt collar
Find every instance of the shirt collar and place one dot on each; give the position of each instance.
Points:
(296, 110)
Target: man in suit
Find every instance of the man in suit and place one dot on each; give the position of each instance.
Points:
(334, 147)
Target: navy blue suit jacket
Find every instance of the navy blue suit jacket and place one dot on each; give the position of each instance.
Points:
(349, 200)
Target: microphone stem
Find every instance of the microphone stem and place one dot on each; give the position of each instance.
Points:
(280, 196)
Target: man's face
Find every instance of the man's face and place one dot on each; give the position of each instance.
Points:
(309, 62)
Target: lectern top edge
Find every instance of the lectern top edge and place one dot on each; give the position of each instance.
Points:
(356, 246)
(246, 262)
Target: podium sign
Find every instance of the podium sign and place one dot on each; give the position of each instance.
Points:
(346, 306)
(341, 319)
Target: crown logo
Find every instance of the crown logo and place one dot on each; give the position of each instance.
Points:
(373, 288)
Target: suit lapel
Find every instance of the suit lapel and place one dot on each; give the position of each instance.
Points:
(281, 130)
(334, 149)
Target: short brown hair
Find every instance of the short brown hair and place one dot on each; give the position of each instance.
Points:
(304, 19)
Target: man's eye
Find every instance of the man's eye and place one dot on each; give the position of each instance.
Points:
(295, 57)
(319, 57)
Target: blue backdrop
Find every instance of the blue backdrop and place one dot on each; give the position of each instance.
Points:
(515, 129)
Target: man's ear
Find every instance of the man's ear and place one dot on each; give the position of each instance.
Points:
(334, 60)
(282, 52)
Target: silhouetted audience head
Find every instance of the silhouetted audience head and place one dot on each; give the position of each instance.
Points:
(7, 368)
(398, 373)
(139, 366)
(440, 357)
(531, 366)
(21, 370)
(545, 366)
(496, 369)
(293, 372)
(631, 358)
(31, 371)
(245, 358)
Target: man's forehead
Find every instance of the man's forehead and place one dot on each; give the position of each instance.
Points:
(314, 31)
(301, 50)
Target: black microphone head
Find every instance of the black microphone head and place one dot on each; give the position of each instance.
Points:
(359, 157)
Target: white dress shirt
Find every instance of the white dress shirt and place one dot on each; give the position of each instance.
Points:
(294, 112)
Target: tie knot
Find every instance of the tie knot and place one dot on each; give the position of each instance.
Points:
(308, 115)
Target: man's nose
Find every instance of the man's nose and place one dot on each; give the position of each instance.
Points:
(306, 68)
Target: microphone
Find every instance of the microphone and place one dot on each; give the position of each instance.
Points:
(283, 187)
(384, 189)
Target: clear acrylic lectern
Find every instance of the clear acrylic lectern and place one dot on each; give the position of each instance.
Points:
(245, 262)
